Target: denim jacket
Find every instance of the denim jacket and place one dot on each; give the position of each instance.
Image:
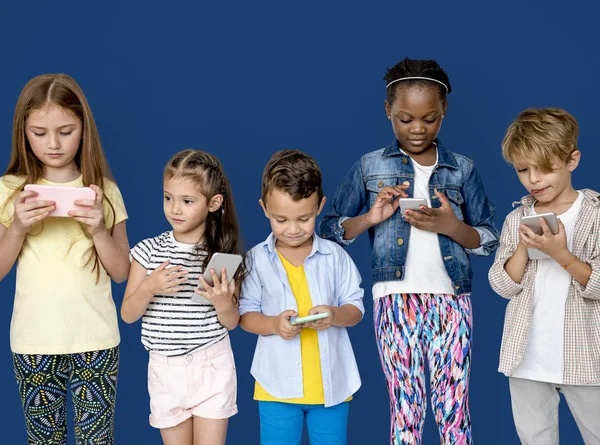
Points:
(455, 176)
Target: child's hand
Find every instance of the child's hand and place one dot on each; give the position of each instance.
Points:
(221, 293)
(324, 323)
(522, 244)
(552, 245)
(27, 214)
(93, 216)
(441, 220)
(386, 203)
(166, 281)
(283, 328)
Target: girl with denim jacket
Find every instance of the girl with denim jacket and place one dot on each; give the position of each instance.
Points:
(420, 258)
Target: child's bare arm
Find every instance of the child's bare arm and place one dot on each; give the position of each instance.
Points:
(515, 266)
(113, 252)
(11, 242)
(506, 279)
(12, 238)
(113, 249)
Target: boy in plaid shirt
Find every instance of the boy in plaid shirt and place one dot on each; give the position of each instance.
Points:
(551, 340)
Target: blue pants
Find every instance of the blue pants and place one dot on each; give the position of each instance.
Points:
(282, 423)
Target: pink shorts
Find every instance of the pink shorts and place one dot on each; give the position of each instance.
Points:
(202, 383)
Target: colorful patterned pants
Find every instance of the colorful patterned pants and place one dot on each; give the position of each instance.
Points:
(91, 378)
(411, 328)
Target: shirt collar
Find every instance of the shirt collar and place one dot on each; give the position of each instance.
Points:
(319, 245)
(444, 156)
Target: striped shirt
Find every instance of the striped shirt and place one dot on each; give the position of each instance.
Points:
(173, 324)
(582, 310)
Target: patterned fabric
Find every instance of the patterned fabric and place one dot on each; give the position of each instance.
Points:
(582, 311)
(174, 324)
(408, 329)
(92, 379)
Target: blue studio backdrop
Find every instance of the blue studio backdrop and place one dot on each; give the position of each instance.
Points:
(245, 79)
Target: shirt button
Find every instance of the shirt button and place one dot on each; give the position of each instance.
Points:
(189, 358)
(398, 274)
(406, 183)
(380, 184)
(400, 241)
(298, 363)
(405, 160)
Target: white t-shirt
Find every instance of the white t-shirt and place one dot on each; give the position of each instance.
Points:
(543, 359)
(174, 324)
(424, 271)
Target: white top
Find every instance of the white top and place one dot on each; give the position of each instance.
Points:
(543, 359)
(174, 324)
(424, 271)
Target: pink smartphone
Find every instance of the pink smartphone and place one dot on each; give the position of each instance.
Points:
(64, 197)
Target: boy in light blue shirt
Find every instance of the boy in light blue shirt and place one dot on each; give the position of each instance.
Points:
(305, 371)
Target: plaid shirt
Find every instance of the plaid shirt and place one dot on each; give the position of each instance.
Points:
(582, 309)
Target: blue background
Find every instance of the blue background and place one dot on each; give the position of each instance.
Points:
(245, 79)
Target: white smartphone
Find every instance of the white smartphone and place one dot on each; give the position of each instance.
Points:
(230, 261)
(301, 320)
(64, 197)
(533, 222)
(412, 204)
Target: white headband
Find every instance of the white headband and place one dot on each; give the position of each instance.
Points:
(418, 78)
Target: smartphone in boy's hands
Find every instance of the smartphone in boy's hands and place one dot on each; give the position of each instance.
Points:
(294, 321)
(534, 223)
(64, 197)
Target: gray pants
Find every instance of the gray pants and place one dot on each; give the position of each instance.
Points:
(535, 410)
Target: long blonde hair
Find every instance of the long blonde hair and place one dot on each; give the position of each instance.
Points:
(61, 90)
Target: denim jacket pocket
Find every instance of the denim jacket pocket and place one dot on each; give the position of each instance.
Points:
(375, 185)
(456, 201)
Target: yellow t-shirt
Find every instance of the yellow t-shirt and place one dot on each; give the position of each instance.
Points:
(309, 344)
(59, 307)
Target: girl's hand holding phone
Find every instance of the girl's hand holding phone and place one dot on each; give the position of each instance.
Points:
(441, 220)
(28, 213)
(221, 293)
(93, 215)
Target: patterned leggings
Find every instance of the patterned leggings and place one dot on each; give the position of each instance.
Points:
(408, 328)
(92, 379)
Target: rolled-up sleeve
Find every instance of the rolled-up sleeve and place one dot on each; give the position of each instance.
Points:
(499, 279)
(348, 282)
(592, 289)
(348, 201)
(480, 214)
(251, 293)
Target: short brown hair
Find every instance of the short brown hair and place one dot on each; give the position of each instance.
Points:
(292, 172)
(540, 136)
